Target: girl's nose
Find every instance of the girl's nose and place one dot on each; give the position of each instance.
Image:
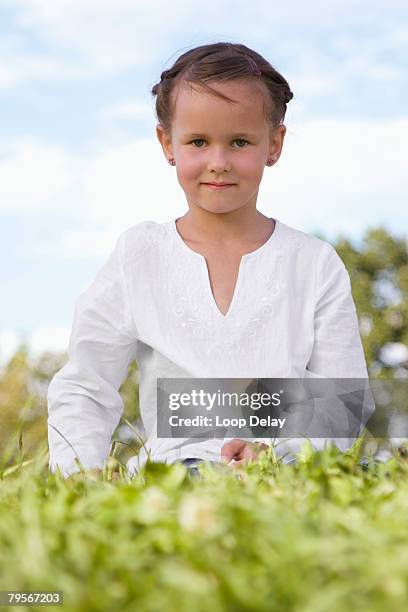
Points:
(218, 162)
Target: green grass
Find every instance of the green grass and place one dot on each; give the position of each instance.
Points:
(320, 535)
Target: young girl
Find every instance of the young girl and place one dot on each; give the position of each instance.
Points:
(221, 292)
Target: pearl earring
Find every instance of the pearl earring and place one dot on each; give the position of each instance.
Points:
(172, 162)
(271, 161)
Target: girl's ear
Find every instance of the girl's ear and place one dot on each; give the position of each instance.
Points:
(165, 141)
(276, 141)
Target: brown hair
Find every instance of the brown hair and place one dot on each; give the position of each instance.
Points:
(220, 62)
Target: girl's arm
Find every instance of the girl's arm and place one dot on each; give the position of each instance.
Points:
(337, 350)
(338, 354)
(84, 404)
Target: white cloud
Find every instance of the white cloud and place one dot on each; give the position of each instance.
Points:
(399, 37)
(364, 63)
(31, 173)
(42, 12)
(339, 175)
(127, 109)
(129, 182)
(41, 339)
(26, 67)
(84, 244)
(102, 37)
(20, 64)
(122, 186)
(9, 342)
(316, 83)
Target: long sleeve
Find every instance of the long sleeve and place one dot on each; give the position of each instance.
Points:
(338, 354)
(337, 350)
(84, 404)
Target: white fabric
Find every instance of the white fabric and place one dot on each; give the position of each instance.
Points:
(292, 315)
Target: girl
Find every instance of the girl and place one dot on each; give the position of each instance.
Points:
(221, 292)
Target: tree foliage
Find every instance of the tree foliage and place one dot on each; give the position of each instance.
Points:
(379, 280)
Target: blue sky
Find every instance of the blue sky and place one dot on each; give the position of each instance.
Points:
(77, 130)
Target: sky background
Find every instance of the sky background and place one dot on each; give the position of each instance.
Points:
(79, 158)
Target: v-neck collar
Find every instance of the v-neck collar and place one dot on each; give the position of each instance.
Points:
(244, 258)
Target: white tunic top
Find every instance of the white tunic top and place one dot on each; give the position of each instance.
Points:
(292, 315)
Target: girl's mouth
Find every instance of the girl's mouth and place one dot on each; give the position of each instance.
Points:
(218, 186)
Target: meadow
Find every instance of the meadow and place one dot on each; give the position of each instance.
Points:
(328, 532)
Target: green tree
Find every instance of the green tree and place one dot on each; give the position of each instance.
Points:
(379, 279)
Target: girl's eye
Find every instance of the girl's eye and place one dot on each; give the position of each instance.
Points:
(202, 140)
(240, 140)
(197, 140)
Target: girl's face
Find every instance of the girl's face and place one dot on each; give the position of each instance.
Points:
(214, 140)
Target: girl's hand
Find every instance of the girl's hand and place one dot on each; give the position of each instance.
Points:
(241, 452)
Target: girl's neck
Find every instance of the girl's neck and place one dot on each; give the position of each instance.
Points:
(224, 230)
